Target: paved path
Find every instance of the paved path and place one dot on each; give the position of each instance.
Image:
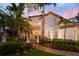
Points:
(60, 52)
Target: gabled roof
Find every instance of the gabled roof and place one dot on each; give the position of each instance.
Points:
(52, 13)
(46, 14)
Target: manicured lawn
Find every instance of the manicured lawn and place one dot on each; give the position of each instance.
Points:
(36, 52)
(33, 52)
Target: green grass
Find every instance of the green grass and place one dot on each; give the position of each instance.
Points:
(36, 52)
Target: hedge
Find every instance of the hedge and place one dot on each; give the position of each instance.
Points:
(60, 44)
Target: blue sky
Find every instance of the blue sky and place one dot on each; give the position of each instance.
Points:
(66, 10)
(63, 9)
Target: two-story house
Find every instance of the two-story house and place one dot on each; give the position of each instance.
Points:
(51, 24)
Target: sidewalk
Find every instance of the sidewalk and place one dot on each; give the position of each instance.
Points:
(60, 52)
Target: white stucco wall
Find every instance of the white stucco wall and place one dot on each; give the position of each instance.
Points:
(50, 25)
(36, 22)
(70, 33)
(61, 33)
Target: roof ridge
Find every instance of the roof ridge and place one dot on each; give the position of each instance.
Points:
(46, 14)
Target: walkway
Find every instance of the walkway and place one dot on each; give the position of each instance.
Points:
(60, 52)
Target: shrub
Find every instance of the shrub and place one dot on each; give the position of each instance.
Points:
(68, 45)
(41, 41)
(9, 48)
(27, 47)
(44, 42)
(14, 48)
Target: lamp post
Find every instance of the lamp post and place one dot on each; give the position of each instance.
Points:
(4, 38)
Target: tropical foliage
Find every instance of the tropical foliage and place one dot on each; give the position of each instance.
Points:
(77, 17)
(61, 44)
(14, 48)
(12, 17)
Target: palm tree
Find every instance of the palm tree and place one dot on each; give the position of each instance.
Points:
(19, 20)
(15, 12)
(42, 5)
(36, 6)
(4, 15)
(77, 17)
(14, 19)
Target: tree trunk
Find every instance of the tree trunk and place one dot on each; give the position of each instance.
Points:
(43, 23)
(65, 33)
(13, 30)
(13, 34)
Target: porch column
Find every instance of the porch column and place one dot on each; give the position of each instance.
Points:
(28, 40)
(38, 39)
(77, 34)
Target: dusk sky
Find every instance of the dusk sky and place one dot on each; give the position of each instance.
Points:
(66, 10)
